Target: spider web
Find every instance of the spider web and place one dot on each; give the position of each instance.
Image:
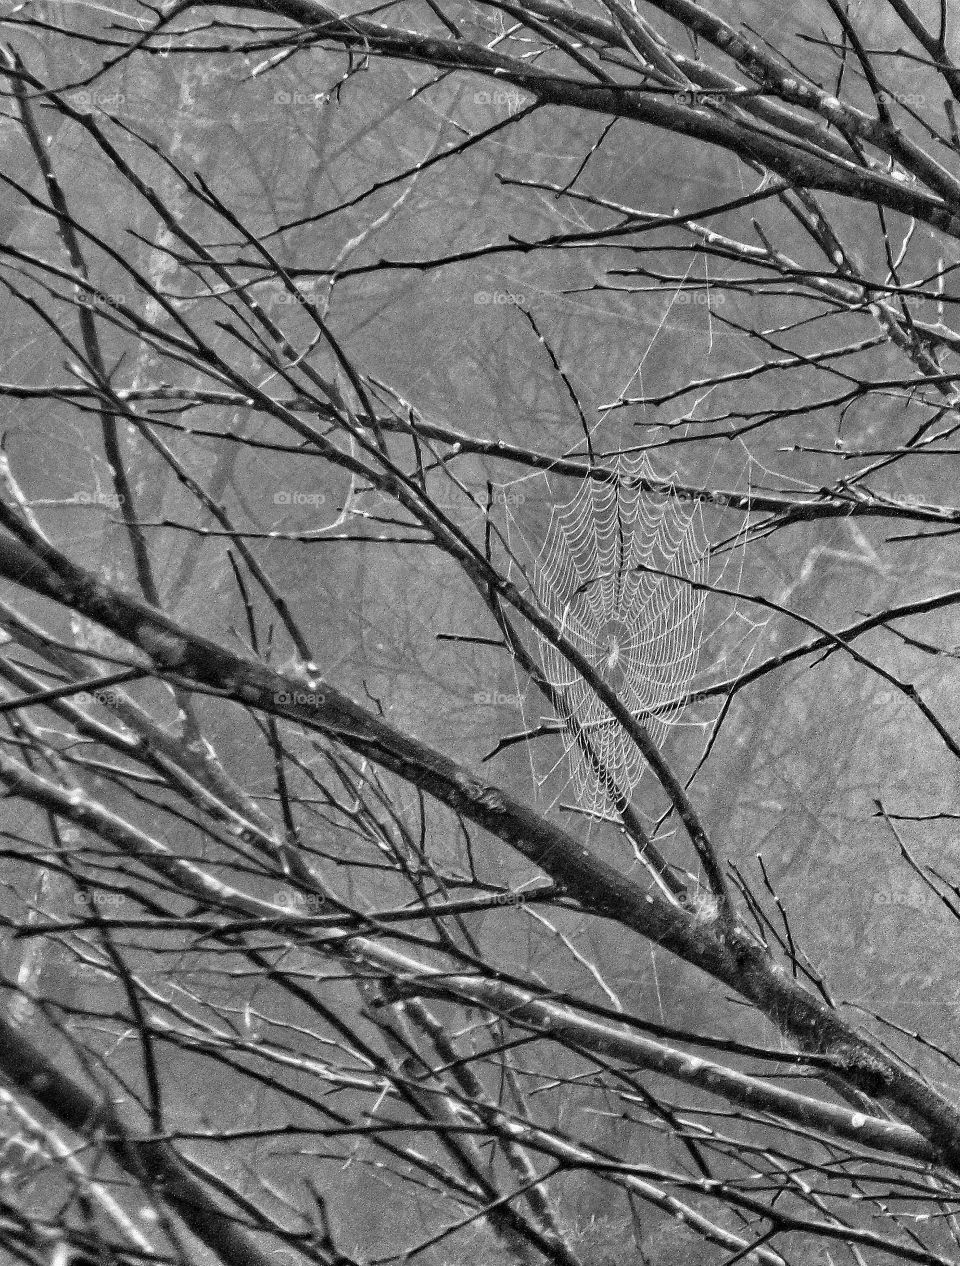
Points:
(622, 574)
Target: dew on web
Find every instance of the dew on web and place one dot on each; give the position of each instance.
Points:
(644, 579)
(618, 574)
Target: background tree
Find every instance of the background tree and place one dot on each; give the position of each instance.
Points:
(479, 729)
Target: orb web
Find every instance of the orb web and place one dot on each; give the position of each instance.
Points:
(618, 574)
